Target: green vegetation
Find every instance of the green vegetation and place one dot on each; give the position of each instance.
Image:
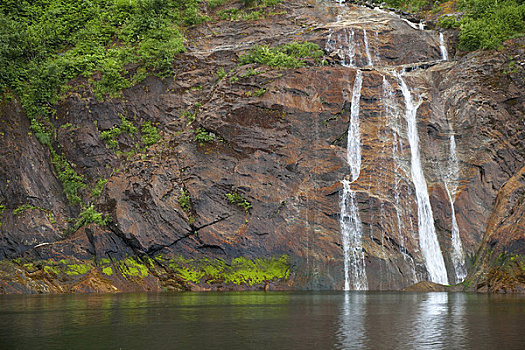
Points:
(240, 15)
(487, 23)
(252, 72)
(260, 92)
(89, 215)
(110, 136)
(190, 117)
(216, 3)
(203, 136)
(25, 207)
(484, 24)
(239, 271)
(72, 182)
(131, 267)
(221, 73)
(101, 183)
(2, 209)
(184, 200)
(150, 134)
(286, 56)
(239, 200)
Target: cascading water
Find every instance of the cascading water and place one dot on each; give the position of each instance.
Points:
(443, 47)
(367, 49)
(350, 221)
(458, 256)
(354, 136)
(347, 47)
(391, 113)
(428, 242)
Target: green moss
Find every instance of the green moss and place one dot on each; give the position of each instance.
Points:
(77, 269)
(130, 267)
(51, 269)
(240, 271)
(108, 271)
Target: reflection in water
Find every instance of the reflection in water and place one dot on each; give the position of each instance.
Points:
(430, 323)
(258, 320)
(351, 333)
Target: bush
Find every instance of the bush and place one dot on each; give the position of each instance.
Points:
(487, 23)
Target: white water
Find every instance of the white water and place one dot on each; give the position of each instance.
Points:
(392, 113)
(354, 136)
(428, 242)
(458, 256)
(443, 47)
(367, 49)
(350, 221)
(347, 47)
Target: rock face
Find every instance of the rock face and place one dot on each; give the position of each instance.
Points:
(285, 153)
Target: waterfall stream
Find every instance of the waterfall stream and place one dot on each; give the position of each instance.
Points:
(352, 52)
(350, 221)
(458, 256)
(428, 241)
(443, 47)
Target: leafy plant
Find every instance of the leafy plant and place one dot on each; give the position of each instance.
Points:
(203, 136)
(101, 183)
(150, 134)
(111, 136)
(89, 215)
(260, 92)
(221, 73)
(184, 200)
(239, 200)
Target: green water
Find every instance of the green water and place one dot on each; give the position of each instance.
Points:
(257, 320)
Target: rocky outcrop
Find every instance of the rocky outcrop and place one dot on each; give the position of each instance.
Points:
(275, 138)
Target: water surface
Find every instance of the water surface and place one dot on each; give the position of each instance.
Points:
(258, 320)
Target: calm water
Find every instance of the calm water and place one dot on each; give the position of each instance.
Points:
(257, 320)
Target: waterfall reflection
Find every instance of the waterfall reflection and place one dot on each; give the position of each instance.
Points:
(438, 323)
(351, 332)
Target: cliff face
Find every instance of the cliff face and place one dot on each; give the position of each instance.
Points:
(276, 139)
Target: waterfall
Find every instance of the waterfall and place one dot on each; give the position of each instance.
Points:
(367, 49)
(350, 221)
(458, 256)
(443, 47)
(354, 137)
(427, 234)
(391, 113)
(347, 47)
